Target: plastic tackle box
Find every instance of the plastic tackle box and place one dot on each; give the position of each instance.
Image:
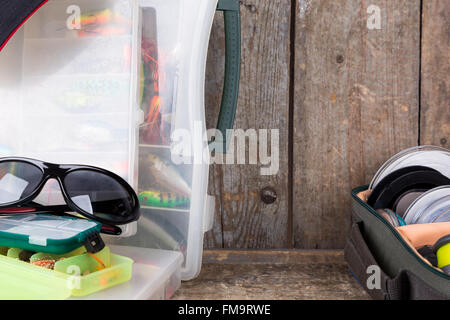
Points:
(119, 84)
(134, 274)
(21, 280)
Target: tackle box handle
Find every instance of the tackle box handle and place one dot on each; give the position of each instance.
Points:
(232, 18)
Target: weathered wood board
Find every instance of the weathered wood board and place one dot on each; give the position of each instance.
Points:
(360, 95)
(242, 219)
(356, 104)
(260, 275)
(435, 80)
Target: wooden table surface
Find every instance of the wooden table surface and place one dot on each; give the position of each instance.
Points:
(266, 275)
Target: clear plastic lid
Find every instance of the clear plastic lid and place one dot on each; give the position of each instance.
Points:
(40, 228)
(430, 156)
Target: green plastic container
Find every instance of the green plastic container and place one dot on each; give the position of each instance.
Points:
(23, 281)
(46, 233)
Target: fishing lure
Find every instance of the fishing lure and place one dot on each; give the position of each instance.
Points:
(98, 17)
(104, 23)
(166, 175)
(142, 84)
(152, 136)
(102, 31)
(89, 95)
(20, 254)
(152, 64)
(48, 264)
(168, 236)
(74, 101)
(87, 262)
(94, 134)
(154, 112)
(151, 132)
(43, 256)
(102, 17)
(162, 199)
(152, 81)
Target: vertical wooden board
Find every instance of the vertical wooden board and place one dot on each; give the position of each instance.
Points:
(242, 219)
(356, 104)
(435, 97)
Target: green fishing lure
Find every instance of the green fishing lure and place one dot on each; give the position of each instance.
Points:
(17, 253)
(40, 256)
(162, 199)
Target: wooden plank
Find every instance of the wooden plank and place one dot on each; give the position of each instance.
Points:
(272, 256)
(242, 219)
(356, 104)
(312, 280)
(435, 97)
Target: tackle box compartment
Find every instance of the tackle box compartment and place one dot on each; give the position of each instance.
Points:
(22, 280)
(156, 276)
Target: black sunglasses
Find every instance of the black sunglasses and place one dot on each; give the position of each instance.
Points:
(92, 192)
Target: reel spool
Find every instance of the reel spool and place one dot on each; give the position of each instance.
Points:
(432, 206)
(433, 157)
(401, 187)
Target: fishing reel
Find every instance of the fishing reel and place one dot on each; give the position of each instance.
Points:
(413, 187)
(432, 206)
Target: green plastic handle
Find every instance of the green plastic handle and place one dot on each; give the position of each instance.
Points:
(232, 17)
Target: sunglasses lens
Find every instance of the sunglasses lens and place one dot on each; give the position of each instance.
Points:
(100, 195)
(18, 180)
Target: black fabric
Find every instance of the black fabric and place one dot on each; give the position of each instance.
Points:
(405, 286)
(359, 258)
(415, 288)
(428, 253)
(13, 13)
(414, 277)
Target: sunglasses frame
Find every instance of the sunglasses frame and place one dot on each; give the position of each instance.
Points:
(59, 173)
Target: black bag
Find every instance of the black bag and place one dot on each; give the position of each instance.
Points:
(404, 275)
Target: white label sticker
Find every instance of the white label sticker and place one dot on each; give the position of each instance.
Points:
(37, 240)
(84, 202)
(11, 188)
